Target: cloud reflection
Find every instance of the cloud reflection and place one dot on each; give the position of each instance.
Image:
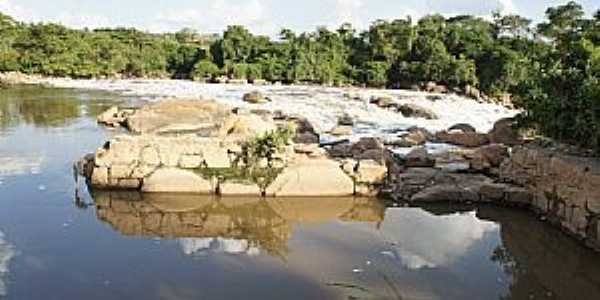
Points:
(7, 252)
(14, 166)
(423, 240)
(200, 246)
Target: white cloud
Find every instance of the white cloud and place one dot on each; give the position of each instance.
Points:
(83, 20)
(348, 11)
(507, 7)
(16, 11)
(217, 16)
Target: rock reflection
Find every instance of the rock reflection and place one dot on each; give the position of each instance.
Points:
(48, 108)
(232, 225)
(543, 262)
(7, 252)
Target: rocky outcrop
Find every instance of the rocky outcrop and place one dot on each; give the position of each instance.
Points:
(178, 116)
(215, 159)
(565, 188)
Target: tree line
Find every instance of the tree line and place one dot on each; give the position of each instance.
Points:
(551, 69)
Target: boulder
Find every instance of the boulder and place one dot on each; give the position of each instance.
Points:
(494, 154)
(451, 161)
(260, 82)
(410, 110)
(256, 97)
(110, 117)
(237, 81)
(505, 132)
(493, 192)
(171, 180)
(419, 158)
(467, 139)
(340, 150)
(341, 131)
(446, 192)
(306, 138)
(370, 172)
(472, 92)
(383, 101)
(414, 137)
(305, 132)
(346, 120)
(178, 116)
(368, 148)
(518, 196)
(244, 127)
(433, 87)
(314, 178)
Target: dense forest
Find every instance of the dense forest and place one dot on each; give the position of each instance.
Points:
(552, 69)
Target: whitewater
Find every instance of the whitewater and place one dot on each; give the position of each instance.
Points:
(322, 106)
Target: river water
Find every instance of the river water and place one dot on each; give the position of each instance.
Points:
(56, 243)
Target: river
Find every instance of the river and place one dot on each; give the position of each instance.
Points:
(59, 241)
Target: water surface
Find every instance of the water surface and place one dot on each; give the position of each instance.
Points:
(55, 244)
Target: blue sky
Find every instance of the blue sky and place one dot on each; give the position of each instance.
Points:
(261, 16)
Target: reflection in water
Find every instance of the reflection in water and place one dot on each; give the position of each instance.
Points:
(231, 225)
(13, 166)
(423, 240)
(365, 250)
(543, 262)
(7, 252)
(49, 108)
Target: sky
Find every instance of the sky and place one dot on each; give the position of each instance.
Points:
(261, 16)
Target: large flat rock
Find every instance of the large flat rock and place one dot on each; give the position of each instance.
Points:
(314, 178)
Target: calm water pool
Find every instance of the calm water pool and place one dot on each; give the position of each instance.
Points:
(56, 245)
